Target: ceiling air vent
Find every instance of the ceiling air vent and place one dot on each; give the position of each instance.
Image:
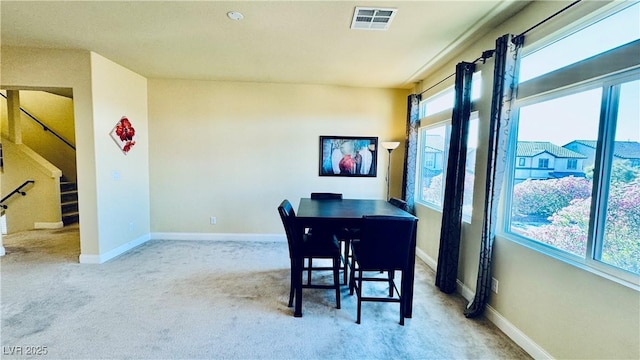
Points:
(372, 18)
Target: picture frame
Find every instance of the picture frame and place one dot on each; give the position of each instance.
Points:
(350, 156)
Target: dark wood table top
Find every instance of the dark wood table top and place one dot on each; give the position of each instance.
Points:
(346, 209)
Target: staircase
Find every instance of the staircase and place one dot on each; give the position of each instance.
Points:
(69, 202)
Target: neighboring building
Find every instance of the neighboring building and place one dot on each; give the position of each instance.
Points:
(433, 156)
(623, 150)
(544, 160)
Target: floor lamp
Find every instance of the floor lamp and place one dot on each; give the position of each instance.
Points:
(390, 146)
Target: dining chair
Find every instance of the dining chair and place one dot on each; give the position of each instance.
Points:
(384, 245)
(344, 235)
(399, 203)
(306, 247)
(325, 196)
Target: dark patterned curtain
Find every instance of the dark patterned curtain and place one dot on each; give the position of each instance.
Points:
(447, 272)
(505, 84)
(411, 152)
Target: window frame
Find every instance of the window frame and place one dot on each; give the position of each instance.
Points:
(442, 118)
(608, 83)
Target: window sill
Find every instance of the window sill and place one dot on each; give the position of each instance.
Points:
(620, 277)
(465, 219)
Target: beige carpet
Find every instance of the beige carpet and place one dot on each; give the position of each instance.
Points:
(213, 300)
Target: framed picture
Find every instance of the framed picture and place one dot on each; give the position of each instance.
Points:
(348, 156)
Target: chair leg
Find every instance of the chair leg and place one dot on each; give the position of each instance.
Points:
(291, 285)
(309, 271)
(336, 279)
(347, 245)
(402, 302)
(299, 264)
(359, 294)
(352, 280)
(390, 274)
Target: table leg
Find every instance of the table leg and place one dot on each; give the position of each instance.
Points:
(408, 279)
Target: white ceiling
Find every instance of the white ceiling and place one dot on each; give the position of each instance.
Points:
(278, 41)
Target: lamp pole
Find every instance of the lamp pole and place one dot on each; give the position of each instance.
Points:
(390, 146)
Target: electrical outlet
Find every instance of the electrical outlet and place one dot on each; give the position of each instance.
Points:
(494, 285)
(213, 220)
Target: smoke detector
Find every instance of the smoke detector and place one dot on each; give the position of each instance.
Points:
(372, 18)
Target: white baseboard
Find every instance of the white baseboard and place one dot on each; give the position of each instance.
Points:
(48, 225)
(431, 262)
(516, 335)
(99, 259)
(492, 315)
(218, 237)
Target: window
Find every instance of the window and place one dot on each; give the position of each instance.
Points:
(434, 145)
(543, 163)
(444, 100)
(591, 214)
(521, 161)
(429, 160)
(602, 36)
(434, 142)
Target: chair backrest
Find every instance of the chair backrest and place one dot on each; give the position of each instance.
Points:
(399, 203)
(325, 196)
(386, 241)
(288, 217)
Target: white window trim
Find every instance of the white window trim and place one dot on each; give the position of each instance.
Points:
(587, 262)
(442, 118)
(437, 120)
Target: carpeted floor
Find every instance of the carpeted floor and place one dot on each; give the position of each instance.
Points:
(212, 300)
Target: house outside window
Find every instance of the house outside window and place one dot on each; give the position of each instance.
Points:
(586, 209)
(521, 161)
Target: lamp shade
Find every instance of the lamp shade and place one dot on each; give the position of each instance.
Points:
(390, 145)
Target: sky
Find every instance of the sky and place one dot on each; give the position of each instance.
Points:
(574, 117)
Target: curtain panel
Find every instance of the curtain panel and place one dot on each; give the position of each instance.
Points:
(447, 270)
(507, 58)
(411, 151)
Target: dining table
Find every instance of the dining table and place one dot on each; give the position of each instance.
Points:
(348, 213)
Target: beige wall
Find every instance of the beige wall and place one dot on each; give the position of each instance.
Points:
(41, 204)
(122, 180)
(56, 112)
(112, 212)
(235, 150)
(568, 312)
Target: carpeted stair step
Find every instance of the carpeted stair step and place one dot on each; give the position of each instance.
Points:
(70, 218)
(69, 202)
